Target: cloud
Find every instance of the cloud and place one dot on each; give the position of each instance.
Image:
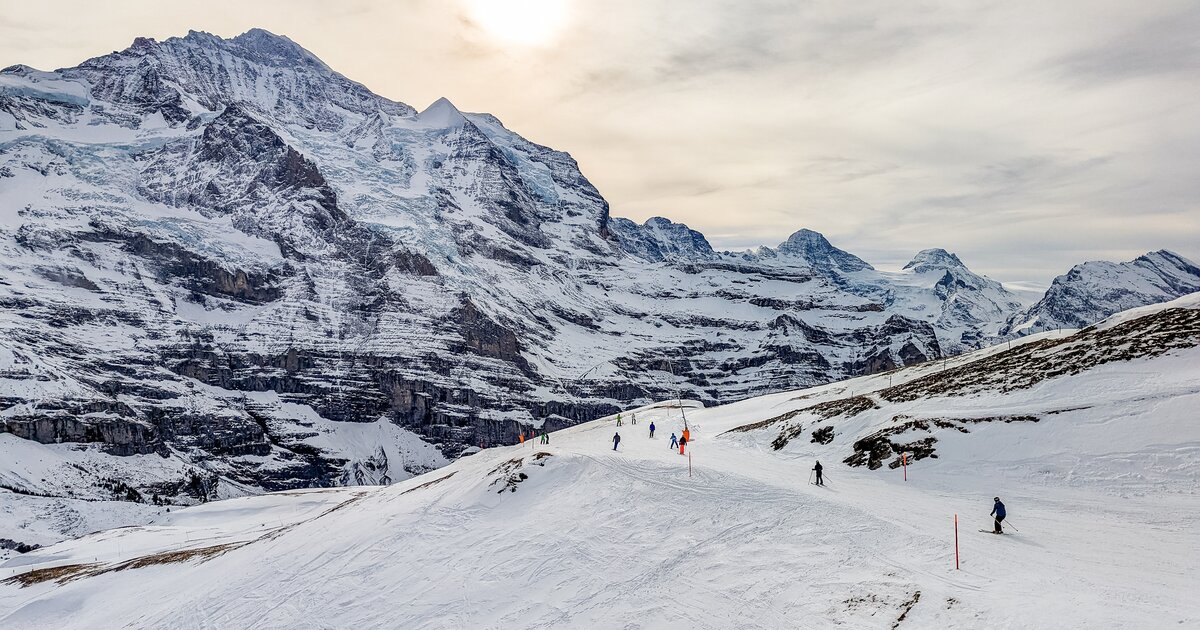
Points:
(1159, 45)
(1023, 135)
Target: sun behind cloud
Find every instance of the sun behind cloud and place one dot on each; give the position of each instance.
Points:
(520, 22)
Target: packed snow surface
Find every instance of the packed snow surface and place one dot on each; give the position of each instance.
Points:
(1102, 492)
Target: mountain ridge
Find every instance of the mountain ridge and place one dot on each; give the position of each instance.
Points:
(244, 265)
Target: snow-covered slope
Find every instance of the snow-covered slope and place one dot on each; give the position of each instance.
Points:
(226, 255)
(1089, 437)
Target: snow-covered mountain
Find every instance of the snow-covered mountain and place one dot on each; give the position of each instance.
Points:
(1088, 437)
(223, 254)
(1094, 290)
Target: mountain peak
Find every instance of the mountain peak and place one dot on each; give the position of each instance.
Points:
(818, 252)
(659, 239)
(935, 258)
(442, 113)
(265, 46)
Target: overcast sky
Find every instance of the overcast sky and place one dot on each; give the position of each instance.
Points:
(1024, 135)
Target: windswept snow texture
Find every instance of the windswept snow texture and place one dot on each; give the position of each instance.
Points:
(223, 256)
(1101, 481)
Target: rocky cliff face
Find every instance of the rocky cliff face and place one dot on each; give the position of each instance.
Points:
(225, 255)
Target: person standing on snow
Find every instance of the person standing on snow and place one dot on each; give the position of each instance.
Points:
(616, 440)
(545, 437)
(820, 482)
(652, 429)
(998, 513)
(618, 419)
(674, 442)
(633, 419)
(682, 443)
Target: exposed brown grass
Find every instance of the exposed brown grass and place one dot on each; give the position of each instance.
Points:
(62, 575)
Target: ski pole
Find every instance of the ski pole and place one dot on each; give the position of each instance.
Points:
(810, 474)
(1011, 525)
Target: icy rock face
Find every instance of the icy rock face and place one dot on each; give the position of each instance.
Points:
(967, 301)
(660, 239)
(1091, 291)
(815, 250)
(222, 253)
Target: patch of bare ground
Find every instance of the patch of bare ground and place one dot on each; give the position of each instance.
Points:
(509, 473)
(62, 575)
(428, 483)
(1029, 364)
(873, 450)
(849, 407)
(69, 572)
(905, 608)
(201, 554)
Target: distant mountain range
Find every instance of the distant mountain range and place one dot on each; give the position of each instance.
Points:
(224, 253)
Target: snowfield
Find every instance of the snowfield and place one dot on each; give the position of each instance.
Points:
(1097, 463)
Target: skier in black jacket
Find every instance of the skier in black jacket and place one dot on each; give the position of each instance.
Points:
(820, 481)
(616, 440)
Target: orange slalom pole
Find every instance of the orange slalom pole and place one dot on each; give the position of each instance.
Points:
(904, 460)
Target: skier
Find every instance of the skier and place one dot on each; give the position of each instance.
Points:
(616, 440)
(998, 512)
(652, 429)
(633, 419)
(820, 482)
(545, 437)
(687, 434)
(674, 442)
(618, 419)
(521, 437)
(682, 442)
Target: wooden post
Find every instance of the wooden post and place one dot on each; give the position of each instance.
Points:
(955, 541)
(689, 464)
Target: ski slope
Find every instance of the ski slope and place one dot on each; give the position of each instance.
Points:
(1102, 492)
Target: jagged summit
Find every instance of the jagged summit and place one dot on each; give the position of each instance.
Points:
(1092, 290)
(935, 258)
(818, 252)
(274, 49)
(183, 78)
(659, 239)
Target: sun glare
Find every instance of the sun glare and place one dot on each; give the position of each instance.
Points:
(524, 22)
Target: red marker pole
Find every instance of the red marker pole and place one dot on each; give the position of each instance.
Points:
(955, 542)
(904, 460)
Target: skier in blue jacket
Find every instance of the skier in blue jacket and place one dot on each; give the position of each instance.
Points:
(998, 512)
(651, 428)
(674, 442)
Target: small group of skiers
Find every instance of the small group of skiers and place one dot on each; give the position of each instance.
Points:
(545, 438)
(680, 442)
(997, 510)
